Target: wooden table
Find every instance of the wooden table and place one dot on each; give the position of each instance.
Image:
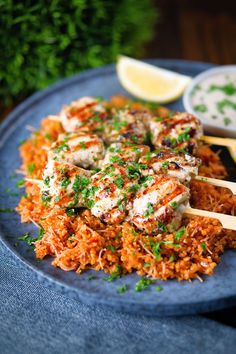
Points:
(195, 30)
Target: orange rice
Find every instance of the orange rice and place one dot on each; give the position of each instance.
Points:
(82, 242)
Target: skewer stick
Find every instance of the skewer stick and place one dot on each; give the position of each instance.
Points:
(218, 183)
(219, 141)
(39, 182)
(227, 221)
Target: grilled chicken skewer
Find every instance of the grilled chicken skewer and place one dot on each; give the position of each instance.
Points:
(150, 189)
(86, 114)
(182, 131)
(180, 165)
(78, 148)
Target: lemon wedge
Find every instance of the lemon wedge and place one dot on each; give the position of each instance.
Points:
(150, 82)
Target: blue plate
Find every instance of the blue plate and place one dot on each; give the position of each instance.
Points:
(177, 298)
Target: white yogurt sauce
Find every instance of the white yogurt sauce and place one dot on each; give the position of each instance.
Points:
(214, 99)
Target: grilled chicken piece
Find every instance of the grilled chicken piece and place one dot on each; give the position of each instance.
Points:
(124, 152)
(63, 183)
(113, 186)
(168, 162)
(85, 114)
(127, 126)
(178, 131)
(159, 204)
(78, 148)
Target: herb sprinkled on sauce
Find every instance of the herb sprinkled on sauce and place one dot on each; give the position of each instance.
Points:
(228, 89)
(200, 108)
(216, 101)
(227, 121)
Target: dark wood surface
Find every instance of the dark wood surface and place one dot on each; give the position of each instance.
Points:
(203, 30)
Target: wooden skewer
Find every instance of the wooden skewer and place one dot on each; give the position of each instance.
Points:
(227, 221)
(39, 182)
(219, 141)
(232, 153)
(218, 183)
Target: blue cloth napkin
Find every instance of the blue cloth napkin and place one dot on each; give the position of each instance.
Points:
(35, 320)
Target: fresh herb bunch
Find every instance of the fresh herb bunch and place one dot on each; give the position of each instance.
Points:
(46, 40)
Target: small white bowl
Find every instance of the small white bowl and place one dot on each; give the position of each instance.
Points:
(214, 126)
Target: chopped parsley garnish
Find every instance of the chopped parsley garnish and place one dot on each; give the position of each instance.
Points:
(225, 103)
(149, 210)
(148, 155)
(227, 121)
(45, 198)
(92, 277)
(156, 249)
(80, 183)
(146, 265)
(145, 179)
(31, 167)
(121, 205)
(122, 289)
(114, 149)
(229, 89)
(200, 108)
(172, 258)
(31, 240)
(148, 137)
(72, 211)
(118, 125)
(134, 138)
(62, 147)
(174, 205)
(20, 183)
(41, 233)
(158, 288)
(204, 246)
(111, 248)
(114, 275)
(46, 181)
(65, 181)
(161, 226)
(119, 182)
(90, 203)
(165, 165)
(96, 118)
(82, 144)
(88, 194)
(142, 284)
(6, 210)
(117, 159)
(48, 136)
(180, 233)
(134, 188)
(22, 141)
(184, 136)
(159, 119)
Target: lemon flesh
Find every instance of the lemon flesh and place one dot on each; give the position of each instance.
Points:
(149, 82)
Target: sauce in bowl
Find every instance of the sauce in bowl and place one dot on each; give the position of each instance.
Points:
(212, 98)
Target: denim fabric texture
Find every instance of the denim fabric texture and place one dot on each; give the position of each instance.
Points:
(37, 320)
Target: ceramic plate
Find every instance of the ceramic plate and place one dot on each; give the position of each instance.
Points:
(177, 298)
